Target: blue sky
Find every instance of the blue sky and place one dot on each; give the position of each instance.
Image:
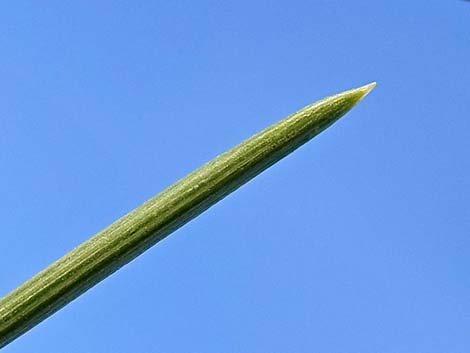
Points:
(358, 242)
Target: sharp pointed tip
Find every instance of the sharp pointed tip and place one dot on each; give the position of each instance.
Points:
(335, 106)
(353, 96)
(365, 90)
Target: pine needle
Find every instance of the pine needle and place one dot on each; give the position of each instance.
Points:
(129, 236)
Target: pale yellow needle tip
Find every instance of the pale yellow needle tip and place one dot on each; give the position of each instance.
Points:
(367, 88)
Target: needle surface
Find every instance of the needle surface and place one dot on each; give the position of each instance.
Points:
(129, 236)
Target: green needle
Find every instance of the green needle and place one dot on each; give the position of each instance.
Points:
(129, 236)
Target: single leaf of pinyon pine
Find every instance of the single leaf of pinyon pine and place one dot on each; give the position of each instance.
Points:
(129, 236)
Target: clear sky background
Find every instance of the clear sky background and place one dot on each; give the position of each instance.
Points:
(357, 242)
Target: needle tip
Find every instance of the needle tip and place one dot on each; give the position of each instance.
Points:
(364, 90)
